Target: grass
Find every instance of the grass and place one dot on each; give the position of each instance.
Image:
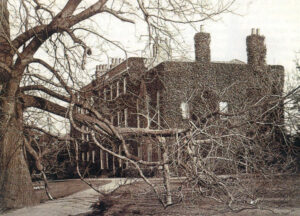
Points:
(139, 199)
(60, 189)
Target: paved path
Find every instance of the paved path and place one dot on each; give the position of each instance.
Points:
(71, 205)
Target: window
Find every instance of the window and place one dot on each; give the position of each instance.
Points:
(138, 122)
(140, 152)
(88, 156)
(185, 110)
(119, 118)
(118, 88)
(92, 101)
(158, 153)
(82, 134)
(112, 119)
(107, 162)
(120, 153)
(104, 94)
(82, 156)
(93, 156)
(111, 92)
(124, 85)
(149, 153)
(126, 117)
(87, 138)
(148, 111)
(101, 159)
(223, 107)
(157, 108)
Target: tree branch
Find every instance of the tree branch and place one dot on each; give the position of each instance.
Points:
(116, 14)
(89, 12)
(31, 127)
(45, 90)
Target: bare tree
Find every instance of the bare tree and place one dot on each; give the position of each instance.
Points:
(225, 144)
(42, 45)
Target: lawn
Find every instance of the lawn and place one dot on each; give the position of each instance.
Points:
(64, 188)
(280, 198)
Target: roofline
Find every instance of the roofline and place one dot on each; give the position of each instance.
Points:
(129, 59)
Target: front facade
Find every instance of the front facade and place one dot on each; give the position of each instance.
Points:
(210, 96)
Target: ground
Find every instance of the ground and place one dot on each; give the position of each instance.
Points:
(280, 197)
(63, 188)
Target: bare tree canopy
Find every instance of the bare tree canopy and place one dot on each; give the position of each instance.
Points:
(43, 52)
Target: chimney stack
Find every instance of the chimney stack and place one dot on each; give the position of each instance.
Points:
(100, 70)
(256, 49)
(202, 46)
(115, 62)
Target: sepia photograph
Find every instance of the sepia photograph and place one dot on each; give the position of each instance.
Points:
(149, 107)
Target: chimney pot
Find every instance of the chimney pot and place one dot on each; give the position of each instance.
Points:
(252, 31)
(258, 31)
(201, 28)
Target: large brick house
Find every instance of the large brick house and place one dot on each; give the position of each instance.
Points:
(173, 94)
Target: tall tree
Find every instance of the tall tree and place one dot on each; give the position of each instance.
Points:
(27, 27)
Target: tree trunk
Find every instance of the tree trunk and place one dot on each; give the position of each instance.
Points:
(16, 188)
(166, 174)
(15, 183)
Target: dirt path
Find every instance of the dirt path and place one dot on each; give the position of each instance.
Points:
(71, 205)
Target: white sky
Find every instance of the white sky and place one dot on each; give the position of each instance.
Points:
(278, 21)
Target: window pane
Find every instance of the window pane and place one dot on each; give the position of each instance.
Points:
(223, 106)
(185, 111)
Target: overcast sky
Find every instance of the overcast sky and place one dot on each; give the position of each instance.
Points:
(278, 21)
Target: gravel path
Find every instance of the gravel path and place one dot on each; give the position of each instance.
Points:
(71, 205)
